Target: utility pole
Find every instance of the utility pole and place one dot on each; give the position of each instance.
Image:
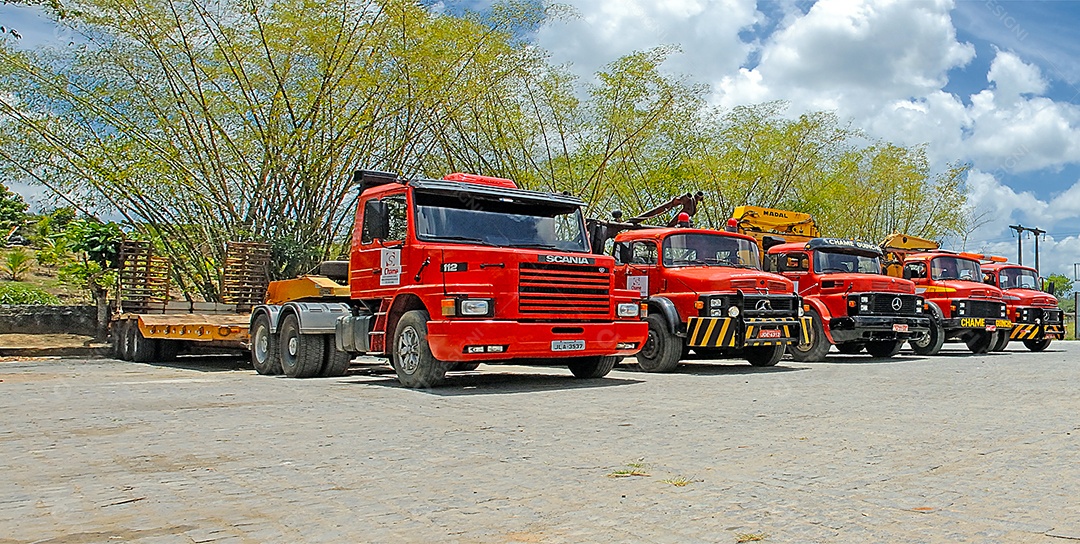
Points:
(1020, 230)
(1019, 243)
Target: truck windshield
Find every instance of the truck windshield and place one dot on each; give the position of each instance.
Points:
(479, 219)
(955, 268)
(1018, 278)
(698, 249)
(832, 262)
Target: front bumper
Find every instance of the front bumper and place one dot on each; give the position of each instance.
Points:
(984, 323)
(456, 340)
(877, 327)
(1032, 331)
(734, 332)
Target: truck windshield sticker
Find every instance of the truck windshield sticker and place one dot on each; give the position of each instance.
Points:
(390, 262)
(565, 259)
(639, 284)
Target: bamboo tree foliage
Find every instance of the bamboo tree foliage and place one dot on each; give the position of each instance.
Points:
(213, 120)
(204, 121)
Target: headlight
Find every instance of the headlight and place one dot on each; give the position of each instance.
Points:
(479, 306)
(864, 299)
(716, 302)
(733, 311)
(918, 305)
(801, 311)
(627, 309)
(716, 312)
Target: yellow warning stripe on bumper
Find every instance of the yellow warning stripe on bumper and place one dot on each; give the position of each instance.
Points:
(724, 332)
(1024, 331)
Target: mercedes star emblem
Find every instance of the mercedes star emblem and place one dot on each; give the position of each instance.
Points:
(763, 305)
(897, 304)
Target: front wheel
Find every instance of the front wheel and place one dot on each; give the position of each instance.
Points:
(980, 341)
(593, 367)
(662, 349)
(1037, 345)
(1001, 342)
(143, 349)
(764, 355)
(818, 346)
(884, 348)
(931, 342)
(413, 361)
(265, 356)
(337, 362)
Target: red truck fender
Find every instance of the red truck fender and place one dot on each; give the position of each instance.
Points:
(823, 311)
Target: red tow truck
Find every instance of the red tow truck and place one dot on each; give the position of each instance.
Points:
(706, 290)
(961, 306)
(853, 305)
(1035, 313)
(445, 274)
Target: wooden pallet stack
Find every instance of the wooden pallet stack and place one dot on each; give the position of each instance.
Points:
(144, 278)
(246, 274)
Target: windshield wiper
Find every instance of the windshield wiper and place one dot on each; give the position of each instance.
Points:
(460, 239)
(549, 246)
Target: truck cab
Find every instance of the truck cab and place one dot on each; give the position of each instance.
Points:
(706, 292)
(962, 306)
(852, 304)
(445, 274)
(1035, 314)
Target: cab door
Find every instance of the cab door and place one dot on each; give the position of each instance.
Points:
(636, 266)
(377, 265)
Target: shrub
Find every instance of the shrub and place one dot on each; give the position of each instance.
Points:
(20, 293)
(17, 263)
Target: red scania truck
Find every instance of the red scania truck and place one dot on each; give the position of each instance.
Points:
(1035, 314)
(445, 274)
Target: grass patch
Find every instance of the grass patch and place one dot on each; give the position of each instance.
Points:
(750, 537)
(679, 481)
(630, 470)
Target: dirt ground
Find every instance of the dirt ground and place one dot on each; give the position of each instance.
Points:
(46, 341)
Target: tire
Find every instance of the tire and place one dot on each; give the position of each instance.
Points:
(852, 348)
(265, 349)
(1002, 341)
(662, 349)
(464, 367)
(117, 339)
(980, 341)
(168, 350)
(337, 362)
(414, 363)
(884, 348)
(818, 347)
(143, 349)
(593, 367)
(931, 342)
(1037, 345)
(301, 354)
(764, 355)
(123, 337)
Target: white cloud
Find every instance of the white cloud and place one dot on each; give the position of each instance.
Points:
(707, 30)
(1013, 77)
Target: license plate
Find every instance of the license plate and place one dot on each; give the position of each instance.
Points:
(567, 345)
(768, 333)
(991, 328)
(899, 328)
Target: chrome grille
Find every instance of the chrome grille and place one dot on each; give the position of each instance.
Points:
(562, 290)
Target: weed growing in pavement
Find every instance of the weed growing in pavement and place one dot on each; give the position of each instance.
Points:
(750, 537)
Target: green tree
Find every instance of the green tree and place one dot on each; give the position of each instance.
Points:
(99, 246)
(12, 210)
(1063, 286)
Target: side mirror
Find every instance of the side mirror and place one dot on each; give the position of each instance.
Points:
(766, 264)
(1050, 287)
(622, 253)
(376, 221)
(907, 273)
(771, 241)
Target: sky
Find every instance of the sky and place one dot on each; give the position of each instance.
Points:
(992, 83)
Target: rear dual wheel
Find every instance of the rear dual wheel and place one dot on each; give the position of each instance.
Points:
(981, 341)
(1001, 340)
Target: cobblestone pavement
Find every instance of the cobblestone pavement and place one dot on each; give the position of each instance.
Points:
(953, 448)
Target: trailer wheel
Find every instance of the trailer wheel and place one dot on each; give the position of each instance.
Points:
(1002, 341)
(818, 347)
(413, 361)
(301, 354)
(265, 352)
(662, 349)
(593, 367)
(117, 335)
(931, 342)
(337, 362)
(142, 349)
(168, 350)
(1037, 345)
(980, 341)
(764, 355)
(123, 334)
(850, 348)
(884, 348)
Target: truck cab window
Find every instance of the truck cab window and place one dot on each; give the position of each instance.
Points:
(643, 253)
(396, 211)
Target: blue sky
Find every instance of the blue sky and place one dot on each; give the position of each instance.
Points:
(994, 83)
